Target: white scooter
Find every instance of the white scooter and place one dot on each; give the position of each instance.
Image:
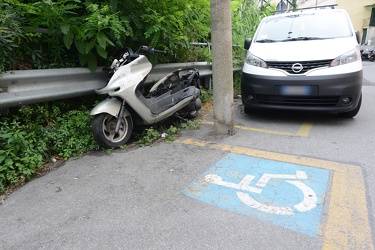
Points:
(130, 103)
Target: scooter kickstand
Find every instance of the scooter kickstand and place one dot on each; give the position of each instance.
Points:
(179, 117)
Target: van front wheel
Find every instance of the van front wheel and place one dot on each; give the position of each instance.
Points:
(354, 112)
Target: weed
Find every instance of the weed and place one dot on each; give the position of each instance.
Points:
(169, 134)
(206, 95)
(20, 155)
(150, 135)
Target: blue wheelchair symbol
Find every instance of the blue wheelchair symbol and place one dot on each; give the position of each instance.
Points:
(308, 203)
(284, 194)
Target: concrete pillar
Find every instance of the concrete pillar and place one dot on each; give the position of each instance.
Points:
(222, 66)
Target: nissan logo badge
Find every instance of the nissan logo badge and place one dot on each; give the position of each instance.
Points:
(297, 67)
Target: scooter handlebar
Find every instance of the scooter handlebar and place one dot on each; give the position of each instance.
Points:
(159, 51)
(150, 51)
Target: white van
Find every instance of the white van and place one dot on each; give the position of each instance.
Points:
(305, 60)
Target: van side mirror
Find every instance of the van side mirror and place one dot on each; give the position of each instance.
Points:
(358, 37)
(247, 43)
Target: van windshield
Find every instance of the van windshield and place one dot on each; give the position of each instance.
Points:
(304, 26)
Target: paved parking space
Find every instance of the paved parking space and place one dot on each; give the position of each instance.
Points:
(346, 225)
(257, 186)
(302, 131)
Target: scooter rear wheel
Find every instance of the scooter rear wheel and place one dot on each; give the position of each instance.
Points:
(103, 127)
(192, 114)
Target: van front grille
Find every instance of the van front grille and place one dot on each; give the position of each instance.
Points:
(314, 101)
(306, 66)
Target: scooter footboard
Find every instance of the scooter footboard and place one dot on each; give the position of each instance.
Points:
(168, 100)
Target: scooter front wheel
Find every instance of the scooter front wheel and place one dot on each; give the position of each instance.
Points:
(103, 128)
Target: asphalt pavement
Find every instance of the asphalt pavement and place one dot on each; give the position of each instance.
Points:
(284, 180)
(368, 73)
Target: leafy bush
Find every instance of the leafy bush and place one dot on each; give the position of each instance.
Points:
(167, 25)
(206, 95)
(10, 36)
(21, 153)
(71, 135)
(246, 16)
(71, 33)
(101, 29)
(32, 135)
(66, 33)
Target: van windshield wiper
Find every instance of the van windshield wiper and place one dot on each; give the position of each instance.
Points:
(301, 38)
(266, 41)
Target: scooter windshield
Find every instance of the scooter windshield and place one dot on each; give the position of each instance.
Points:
(304, 26)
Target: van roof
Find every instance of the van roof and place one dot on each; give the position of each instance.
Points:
(308, 11)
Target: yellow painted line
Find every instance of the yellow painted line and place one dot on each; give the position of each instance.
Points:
(303, 131)
(347, 225)
(264, 131)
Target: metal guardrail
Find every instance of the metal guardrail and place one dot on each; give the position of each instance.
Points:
(20, 87)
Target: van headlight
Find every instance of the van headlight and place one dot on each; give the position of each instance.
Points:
(255, 61)
(349, 57)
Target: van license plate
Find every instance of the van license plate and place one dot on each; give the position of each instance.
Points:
(296, 90)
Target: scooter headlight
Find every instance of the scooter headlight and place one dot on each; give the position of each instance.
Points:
(255, 61)
(351, 56)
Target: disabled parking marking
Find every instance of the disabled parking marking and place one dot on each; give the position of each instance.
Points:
(303, 131)
(347, 225)
(287, 195)
(308, 203)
